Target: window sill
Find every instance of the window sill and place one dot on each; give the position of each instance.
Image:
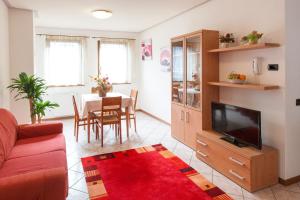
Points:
(60, 86)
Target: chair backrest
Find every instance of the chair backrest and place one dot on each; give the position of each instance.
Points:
(94, 90)
(134, 95)
(111, 104)
(75, 108)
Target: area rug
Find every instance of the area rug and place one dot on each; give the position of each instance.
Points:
(146, 173)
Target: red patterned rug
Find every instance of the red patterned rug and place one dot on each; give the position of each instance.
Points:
(146, 173)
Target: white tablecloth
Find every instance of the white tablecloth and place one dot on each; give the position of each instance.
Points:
(92, 102)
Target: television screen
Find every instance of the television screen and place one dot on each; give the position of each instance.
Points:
(239, 123)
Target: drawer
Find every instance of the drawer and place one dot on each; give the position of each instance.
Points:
(229, 163)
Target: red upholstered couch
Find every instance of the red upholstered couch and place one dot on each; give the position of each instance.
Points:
(33, 163)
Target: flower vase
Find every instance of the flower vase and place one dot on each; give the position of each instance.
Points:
(102, 93)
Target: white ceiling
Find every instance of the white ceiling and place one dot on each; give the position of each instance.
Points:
(128, 15)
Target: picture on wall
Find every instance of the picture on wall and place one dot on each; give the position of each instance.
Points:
(146, 46)
(165, 59)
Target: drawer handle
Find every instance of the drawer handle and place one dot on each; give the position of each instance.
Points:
(202, 154)
(202, 143)
(236, 175)
(236, 161)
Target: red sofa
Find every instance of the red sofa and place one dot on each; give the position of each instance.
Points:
(33, 161)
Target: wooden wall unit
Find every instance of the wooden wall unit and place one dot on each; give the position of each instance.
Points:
(248, 167)
(192, 68)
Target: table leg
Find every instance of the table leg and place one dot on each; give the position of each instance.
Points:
(89, 127)
(127, 120)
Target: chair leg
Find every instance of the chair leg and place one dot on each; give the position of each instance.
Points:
(134, 118)
(84, 125)
(101, 135)
(120, 130)
(93, 127)
(97, 132)
(77, 130)
(74, 127)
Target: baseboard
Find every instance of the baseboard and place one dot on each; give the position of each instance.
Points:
(153, 116)
(289, 181)
(59, 118)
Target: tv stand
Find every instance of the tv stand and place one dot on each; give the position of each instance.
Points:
(233, 141)
(248, 167)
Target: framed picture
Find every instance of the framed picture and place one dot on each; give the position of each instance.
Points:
(165, 59)
(146, 46)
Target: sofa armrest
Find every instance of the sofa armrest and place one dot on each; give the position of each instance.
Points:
(44, 184)
(34, 130)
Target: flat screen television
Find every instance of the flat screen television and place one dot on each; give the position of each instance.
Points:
(240, 126)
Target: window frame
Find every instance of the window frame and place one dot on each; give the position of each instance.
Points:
(99, 67)
(65, 38)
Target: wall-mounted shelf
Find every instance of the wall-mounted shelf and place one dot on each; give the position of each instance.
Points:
(245, 47)
(245, 86)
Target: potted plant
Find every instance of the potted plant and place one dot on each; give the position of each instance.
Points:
(252, 38)
(40, 108)
(226, 40)
(31, 88)
(103, 85)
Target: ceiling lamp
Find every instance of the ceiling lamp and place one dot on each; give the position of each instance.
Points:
(102, 14)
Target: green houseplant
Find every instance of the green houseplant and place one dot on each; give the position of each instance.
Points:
(41, 107)
(252, 38)
(31, 88)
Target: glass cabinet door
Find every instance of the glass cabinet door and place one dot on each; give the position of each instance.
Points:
(177, 71)
(193, 72)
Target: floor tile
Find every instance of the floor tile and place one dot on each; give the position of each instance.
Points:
(80, 185)
(227, 186)
(77, 195)
(74, 177)
(266, 194)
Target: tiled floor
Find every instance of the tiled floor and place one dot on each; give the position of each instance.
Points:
(151, 131)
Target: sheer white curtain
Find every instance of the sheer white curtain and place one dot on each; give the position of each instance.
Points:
(115, 60)
(64, 60)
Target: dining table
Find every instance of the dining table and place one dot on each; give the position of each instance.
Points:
(93, 103)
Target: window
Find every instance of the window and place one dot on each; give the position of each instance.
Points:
(115, 60)
(64, 60)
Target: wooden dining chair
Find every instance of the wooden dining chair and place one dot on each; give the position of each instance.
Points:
(132, 111)
(110, 115)
(78, 120)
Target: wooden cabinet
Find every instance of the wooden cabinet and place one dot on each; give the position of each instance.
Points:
(192, 68)
(178, 122)
(248, 167)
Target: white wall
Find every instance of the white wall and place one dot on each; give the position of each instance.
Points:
(62, 95)
(292, 88)
(239, 17)
(21, 31)
(4, 56)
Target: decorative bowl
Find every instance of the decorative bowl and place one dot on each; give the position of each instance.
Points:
(237, 81)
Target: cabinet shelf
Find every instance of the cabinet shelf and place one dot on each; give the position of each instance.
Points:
(245, 47)
(245, 86)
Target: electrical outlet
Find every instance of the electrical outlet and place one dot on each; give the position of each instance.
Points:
(297, 102)
(273, 67)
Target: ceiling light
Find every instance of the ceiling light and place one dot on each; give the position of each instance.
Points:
(102, 14)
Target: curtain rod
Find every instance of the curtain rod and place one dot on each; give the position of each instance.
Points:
(86, 36)
(114, 38)
(64, 35)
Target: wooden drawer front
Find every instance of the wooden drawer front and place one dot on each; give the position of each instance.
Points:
(232, 165)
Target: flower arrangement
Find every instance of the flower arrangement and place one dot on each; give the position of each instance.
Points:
(226, 40)
(103, 84)
(252, 38)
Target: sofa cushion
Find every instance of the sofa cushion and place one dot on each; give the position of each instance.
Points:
(33, 163)
(38, 145)
(8, 132)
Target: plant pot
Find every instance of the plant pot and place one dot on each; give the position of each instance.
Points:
(224, 45)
